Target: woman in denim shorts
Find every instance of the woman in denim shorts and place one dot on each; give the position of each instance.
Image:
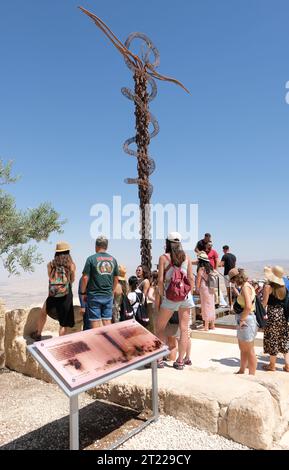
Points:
(174, 257)
(246, 320)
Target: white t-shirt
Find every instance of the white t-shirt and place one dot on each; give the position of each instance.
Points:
(135, 299)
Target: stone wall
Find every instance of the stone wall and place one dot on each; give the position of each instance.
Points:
(253, 411)
(15, 329)
(2, 334)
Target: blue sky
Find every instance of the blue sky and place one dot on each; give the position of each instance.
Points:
(224, 147)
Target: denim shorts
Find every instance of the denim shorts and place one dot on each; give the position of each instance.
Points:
(188, 302)
(249, 330)
(99, 307)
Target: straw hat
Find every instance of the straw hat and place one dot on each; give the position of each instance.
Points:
(62, 246)
(203, 256)
(275, 275)
(121, 273)
(233, 273)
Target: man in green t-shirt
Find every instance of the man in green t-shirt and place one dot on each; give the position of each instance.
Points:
(99, 280)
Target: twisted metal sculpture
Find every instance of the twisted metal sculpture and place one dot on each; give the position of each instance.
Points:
(143, 73)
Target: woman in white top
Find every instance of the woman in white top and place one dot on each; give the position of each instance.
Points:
(135, 296)
(174, 257)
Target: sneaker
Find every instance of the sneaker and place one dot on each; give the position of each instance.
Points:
(178, 365)
(35, 336)
(187, 362)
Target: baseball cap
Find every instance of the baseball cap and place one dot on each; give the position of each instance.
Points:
(174, 237)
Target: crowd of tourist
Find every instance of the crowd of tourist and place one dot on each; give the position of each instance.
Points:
(163, 300)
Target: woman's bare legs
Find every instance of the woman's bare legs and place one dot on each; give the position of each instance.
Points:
(41, 320)
(184, 318)
(162, 320)
(286, 358)
(248, 357)
(205, 326)
(173, 345)
(63, 330)
(161, 323)
(188, 351)
(272, 364)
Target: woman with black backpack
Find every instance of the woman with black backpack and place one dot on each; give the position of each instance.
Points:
(59, 303)
(137, 301)
(175, 284)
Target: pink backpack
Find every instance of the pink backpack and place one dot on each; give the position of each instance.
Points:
(179, 286)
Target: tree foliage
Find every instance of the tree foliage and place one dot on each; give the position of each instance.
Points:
(19, 228)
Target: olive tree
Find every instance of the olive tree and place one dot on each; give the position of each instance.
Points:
(18, 229)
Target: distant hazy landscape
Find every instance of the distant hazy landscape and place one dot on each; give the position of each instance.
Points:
(20, 292)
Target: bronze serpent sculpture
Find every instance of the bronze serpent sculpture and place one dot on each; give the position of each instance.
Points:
(143, 73)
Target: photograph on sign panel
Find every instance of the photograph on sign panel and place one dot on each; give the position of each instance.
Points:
(88, 355)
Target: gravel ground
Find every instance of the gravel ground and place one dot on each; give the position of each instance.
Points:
(169, 433)
(34, 415)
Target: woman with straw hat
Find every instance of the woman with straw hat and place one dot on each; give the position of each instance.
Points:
(59, 303)
(276, 332)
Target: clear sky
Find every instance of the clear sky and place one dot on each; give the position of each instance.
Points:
(224, 147)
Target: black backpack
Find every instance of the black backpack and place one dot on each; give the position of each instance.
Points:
(126, 310)
(141, 315)
(286, 306)
(260, 313)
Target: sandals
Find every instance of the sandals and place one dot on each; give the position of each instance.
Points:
(161, 364)
(35, 336)
(178, 365)
(187, 362)
(269, 368)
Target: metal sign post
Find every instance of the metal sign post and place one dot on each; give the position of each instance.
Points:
(57, 344)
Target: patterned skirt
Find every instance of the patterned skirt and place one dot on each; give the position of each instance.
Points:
(276, 332)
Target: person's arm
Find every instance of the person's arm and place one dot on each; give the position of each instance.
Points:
(115, 282)
(161, 276)
(146, 286)
(157, 299)
(216, 260)
(222, 262)
(72, 272)
(266, 292)
(49, 269)
(190, 274)
(246, 291)
(199, 279)
(151, 294)
(197, 249)
(115, 277)
(84, 280)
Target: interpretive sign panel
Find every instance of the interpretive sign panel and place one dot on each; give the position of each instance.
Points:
(89, 355)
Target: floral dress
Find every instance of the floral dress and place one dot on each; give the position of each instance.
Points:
(276, 332)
